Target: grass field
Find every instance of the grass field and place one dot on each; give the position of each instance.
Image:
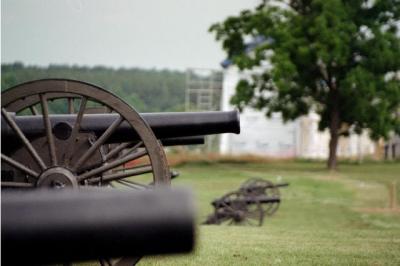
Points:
(325, 218)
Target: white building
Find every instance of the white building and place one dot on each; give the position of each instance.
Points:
(271, 137)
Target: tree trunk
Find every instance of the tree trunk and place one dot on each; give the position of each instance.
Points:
(333, 142)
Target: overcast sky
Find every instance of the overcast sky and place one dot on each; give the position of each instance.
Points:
(120, 33)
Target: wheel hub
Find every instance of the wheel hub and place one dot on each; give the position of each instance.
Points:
(57, 178)
(239, 216)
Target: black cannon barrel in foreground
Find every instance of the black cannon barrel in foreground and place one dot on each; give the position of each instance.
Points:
(164, 125)
(49, 226)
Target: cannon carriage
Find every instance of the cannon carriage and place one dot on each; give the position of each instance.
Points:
(59, 133)
(49, 138)
(248, 205)
(265, 189)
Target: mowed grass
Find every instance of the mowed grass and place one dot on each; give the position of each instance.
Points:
(324, 219)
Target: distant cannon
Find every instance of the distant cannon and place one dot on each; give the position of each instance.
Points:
(256, 187)
(248, 205)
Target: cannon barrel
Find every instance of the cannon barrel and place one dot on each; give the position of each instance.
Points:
(281, 185)
(53, 226)
(164, 125)
(192, 140)
(256, 186)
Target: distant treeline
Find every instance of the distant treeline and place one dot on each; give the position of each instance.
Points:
(146, 90)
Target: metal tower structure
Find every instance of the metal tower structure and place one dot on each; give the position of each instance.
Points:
(203, 93)
(203, 89)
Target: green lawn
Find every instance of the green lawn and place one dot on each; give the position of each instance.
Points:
(325, 218)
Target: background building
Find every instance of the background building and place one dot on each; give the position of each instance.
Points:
(272, 137)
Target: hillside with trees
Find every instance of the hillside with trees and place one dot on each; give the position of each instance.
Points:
(146, 90)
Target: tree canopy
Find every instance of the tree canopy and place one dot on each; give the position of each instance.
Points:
(340, 59)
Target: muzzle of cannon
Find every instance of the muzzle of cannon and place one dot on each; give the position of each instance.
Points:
(53, 226)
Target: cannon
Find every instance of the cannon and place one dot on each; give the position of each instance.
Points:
(51, 137)
(163, 125)
(50, 226)
(256, 187)
(255, 199)
(63, 134)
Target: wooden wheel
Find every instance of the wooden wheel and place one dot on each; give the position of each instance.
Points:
(261, 187)
(237, 208)
(75, 155)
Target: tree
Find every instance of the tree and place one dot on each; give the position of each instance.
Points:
(340, 59)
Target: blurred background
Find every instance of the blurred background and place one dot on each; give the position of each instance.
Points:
(160, 56)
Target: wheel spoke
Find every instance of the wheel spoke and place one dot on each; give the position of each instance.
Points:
(114, 151)
(143, 169)
(49, 133)
(119, 148)
(137, 184)
(253, 215)
(134, 148)
(70, 105)
(269, 207)
(100, 141)
(75, 130)
(112, 165)
(105, 262)
(131, 172)
(128, 185)
(127, 261)
(33, 110)
(228, 206)
(273, 208)
(19, 166)
(24, 140)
